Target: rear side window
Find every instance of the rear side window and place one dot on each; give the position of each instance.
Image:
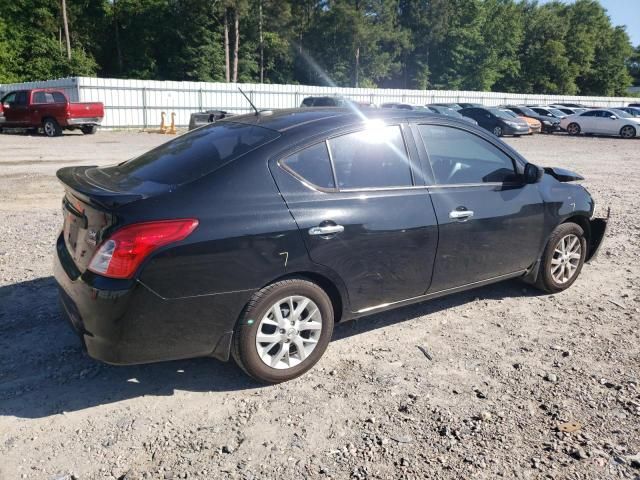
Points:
(460, 157)
(58, 97)
(372, 158)
(313, 165)
(188, 157)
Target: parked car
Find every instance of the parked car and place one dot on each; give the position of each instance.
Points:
(50, 110)
(333, 102)
(572, 105)
(496, 121)
(604, 122)
(449, 112)
(453, 106)
(534, 125)
(404, 106)
(549, 124)
(634, 104)
(471, 105)
(280, 226)
(633, 111)
(548, 112)
(569, 110)
(199, 119)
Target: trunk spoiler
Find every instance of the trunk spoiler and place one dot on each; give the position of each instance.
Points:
(75, 180)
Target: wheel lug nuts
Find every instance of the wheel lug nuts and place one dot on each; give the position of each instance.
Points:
(282, 330)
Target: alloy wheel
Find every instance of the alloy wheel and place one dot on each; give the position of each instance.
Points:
(49, 129)
(573, 129)
(566, 259)
(628, 132)
(288, 332)
(497, 131)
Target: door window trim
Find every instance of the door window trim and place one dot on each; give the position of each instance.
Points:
(515, 162)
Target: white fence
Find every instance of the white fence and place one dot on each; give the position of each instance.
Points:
(139, 103)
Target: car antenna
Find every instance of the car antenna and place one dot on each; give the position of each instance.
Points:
(250, 102)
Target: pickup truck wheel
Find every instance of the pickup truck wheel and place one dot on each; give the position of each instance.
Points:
(562, 259)
(51, 127)
(283, 331)
(89, 129)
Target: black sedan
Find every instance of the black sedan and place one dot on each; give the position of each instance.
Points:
(496, 121)
(450, 112)
(549, 124)
(251, 237)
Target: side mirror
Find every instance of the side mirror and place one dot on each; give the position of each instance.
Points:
(532, 173)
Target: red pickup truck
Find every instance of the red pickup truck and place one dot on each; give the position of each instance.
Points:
(50, 110)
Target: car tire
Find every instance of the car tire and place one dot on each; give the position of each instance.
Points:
(284, 336)
(628, 132)
(573, 129)
(563, 258)
(497, 131)
(51, 127)
(89, 129)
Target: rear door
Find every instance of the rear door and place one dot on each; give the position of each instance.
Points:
(363, 212)
(490, 223)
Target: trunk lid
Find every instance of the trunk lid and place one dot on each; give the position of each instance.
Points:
(88, 211)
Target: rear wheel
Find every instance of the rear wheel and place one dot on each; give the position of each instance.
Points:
(51, 128)
(562, 259)
(284, 331)
(497, 131)
(89, 129)
(573, 129)
(627, 131)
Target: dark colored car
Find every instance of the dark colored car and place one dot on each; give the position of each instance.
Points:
(333, 102)
(453, 106)
(404, 106)
(549, 124)
(471, 105)
(633, 111)
(199, 119)
(252, 236)
(497, 122)
(634, 105)
(549, 112)
(573, 105)
(450, 112)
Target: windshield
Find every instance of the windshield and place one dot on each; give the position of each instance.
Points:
(621, 113)
(186, 158)
(509, 112)
(499, 113)
(528, 112)
(557, 113)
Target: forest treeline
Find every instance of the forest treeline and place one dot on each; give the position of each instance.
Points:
(499, 45)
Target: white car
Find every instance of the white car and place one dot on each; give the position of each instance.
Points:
(602, 121)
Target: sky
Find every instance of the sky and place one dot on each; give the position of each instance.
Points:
(622, 12)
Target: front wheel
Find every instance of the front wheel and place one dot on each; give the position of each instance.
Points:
(627, 131)
(562, 259)
(573, 129)
(497, 131)
(89, 129)
(51, 127)
(283, 331)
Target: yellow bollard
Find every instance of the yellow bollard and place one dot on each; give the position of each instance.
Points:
(163, 125)
(172, 128)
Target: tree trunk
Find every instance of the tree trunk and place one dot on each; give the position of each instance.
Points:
(261, 45)
(65, 23)
(236, 45)
(226, 46)
(117, 37)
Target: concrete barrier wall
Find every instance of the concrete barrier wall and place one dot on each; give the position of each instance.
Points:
(139, 103)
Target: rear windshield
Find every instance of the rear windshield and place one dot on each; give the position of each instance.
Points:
(186, 158)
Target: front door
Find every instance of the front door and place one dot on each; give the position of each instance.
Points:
(491, 224)
(361, 212)
(15, 109)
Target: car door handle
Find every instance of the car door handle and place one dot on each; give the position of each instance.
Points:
(460, 214)
(326, 230)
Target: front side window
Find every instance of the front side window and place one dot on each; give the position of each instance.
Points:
(11, 98)
(313, 165)
(460, 157)
(375, 157)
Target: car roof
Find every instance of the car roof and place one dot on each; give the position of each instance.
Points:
(295, 118)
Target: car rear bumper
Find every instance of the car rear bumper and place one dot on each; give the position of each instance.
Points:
(84, 121)
(125, 322)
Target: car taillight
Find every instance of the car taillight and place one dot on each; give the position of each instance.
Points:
(123, 252)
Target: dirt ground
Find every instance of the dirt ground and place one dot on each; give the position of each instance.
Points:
(507, 365)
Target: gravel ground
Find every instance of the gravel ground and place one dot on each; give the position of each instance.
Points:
(505, 366)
